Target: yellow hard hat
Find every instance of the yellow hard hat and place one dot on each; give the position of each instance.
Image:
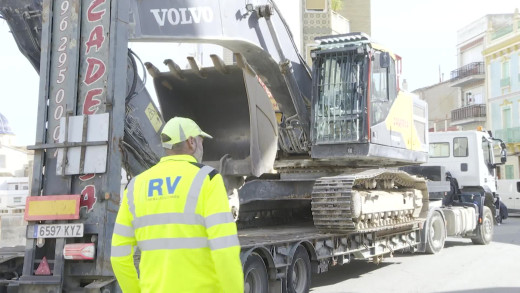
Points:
(179, 129)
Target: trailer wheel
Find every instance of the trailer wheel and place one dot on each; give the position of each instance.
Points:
(436, 234)
(299, 273)
(255, 275)
(484, 230)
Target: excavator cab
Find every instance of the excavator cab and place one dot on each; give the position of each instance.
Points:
(359, 114)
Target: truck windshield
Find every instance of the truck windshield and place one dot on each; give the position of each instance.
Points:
(340, 103)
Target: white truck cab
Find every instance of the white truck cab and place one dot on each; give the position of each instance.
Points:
(468, 156)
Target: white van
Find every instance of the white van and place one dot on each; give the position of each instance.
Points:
(509, 191)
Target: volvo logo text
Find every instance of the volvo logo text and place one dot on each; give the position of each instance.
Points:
(176, 16)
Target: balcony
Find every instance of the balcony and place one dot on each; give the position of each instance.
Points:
(508, 135)
(468, 74)
(468, 114)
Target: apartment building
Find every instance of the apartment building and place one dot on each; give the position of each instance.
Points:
(502, 62)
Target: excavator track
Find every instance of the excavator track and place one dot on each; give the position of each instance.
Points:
(368, 201)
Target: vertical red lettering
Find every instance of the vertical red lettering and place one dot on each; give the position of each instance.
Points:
(95, 70)
(91, 104)
(95, 15)
(88, 197)
(96, 38)
(86, 177)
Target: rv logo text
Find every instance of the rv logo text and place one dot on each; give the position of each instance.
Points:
(176, 16)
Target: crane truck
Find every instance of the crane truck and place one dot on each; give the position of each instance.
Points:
(312, 155)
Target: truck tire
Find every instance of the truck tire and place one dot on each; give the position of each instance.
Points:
(484, 230)
(436, 234)
(299, 272)
(255, 275)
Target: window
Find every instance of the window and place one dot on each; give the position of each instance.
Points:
(2, 161)
(460, 147)
(469, 98)
(439, 150)
(478, 98)
(383, 87)
(510, 172)
(505, 69)
(339, 107)
(17, 199)
(315, 5)
(505, 81)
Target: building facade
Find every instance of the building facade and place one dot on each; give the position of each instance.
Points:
(469, 78)
(502, 59)
(330, 17)
(441, 98)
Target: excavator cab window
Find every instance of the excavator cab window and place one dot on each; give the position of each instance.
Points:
(340, 97)
(383, 90)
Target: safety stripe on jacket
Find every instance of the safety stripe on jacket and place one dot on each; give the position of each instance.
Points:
(172, 243)
(223, 242)
(188, 243)
(119, 251)
(193, 193)
(123, 230)
(130, 196)
(168, 218)
(217, 219)
(181, 218)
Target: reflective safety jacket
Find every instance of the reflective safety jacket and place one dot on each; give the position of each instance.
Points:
(177, 214)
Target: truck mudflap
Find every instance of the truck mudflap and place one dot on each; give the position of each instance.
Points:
(372, 200)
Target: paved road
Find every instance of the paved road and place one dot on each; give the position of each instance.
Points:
(460, 267)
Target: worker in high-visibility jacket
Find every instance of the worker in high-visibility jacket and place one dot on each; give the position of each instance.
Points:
(177, 213)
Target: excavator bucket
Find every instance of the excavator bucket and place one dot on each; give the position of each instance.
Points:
(230, 103)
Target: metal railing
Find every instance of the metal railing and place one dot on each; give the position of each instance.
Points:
(468, 112)
(508, 135)
(474, 68)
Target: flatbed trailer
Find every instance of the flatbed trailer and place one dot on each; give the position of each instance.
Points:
(290, 253)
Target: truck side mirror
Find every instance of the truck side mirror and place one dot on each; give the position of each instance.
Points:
(503, 156)
(384, 60)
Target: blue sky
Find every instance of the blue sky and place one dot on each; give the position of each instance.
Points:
(422, 32)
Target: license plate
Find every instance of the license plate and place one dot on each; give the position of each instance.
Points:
(58, 230)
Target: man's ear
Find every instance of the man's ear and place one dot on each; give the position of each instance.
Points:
(192, 143)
